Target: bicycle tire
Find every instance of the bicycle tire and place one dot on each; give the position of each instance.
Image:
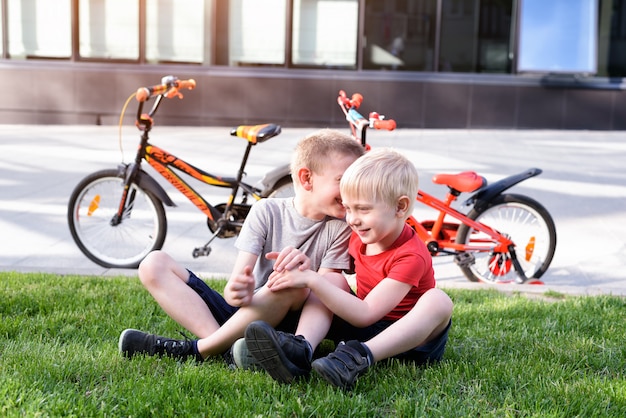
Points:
(527, 223)
(91, 207)
(283, 188)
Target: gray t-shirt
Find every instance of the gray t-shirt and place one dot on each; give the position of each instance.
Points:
(274, 224)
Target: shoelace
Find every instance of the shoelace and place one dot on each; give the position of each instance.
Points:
(174, 347)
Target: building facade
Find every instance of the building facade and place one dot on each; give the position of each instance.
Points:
(535, 64)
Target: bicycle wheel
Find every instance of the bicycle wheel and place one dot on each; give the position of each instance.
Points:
(284, 188)
(522, 219)
(92, 206)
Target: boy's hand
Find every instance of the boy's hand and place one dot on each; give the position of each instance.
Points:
(289, 279)
(288, 259)
(241, 288)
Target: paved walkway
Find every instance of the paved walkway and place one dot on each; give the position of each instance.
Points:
(583, 186)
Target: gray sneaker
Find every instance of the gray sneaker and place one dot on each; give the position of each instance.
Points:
(133, 342)
(342, 367)
(242, 358)
(284, 356)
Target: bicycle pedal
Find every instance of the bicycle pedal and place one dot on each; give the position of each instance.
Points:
(201, 252)
(464, 259)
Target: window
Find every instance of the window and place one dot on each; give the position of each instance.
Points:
(39, 28)
(476, 36)
(559, 36)
(325, 33)
(256, 32)
(108, 29)
(400, 35)
(175, 32)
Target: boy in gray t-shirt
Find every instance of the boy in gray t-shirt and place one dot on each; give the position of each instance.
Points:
(276, 223)
(305, 232)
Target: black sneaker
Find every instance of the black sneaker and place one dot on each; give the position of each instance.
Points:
(134, 342)
(284, 356)
(344, 365)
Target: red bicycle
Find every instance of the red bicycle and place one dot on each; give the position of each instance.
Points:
(503, 238)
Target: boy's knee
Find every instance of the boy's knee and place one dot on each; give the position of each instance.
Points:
(439, 300)
(289, 298)
(152, 267)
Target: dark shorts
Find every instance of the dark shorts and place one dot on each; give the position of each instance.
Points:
(340, 330)
(430, 352)
(222, 311)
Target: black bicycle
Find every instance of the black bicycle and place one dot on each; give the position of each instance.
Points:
(117, 216)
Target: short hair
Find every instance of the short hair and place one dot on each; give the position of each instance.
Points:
(381, 175)
(317, 150)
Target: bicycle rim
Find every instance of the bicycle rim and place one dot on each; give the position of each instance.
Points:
(141, 230)
(527, 224)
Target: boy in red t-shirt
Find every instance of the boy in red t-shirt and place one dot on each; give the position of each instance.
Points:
(397, 311)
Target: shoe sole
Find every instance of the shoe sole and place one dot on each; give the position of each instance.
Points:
(242, 358)
(264, 346)
(120, 343)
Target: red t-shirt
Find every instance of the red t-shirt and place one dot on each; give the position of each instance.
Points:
(407, 261)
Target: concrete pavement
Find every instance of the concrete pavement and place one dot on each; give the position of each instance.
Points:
(583, 186)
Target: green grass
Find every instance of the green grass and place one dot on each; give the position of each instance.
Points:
(507, 356)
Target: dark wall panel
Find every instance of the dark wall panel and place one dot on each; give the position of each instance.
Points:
(446, 105)
(493, 107)
(83, 93)
(541, 108)
(588, 109)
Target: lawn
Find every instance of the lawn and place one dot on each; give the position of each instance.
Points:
(508, 355)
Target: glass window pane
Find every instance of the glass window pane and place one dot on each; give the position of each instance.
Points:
(325, 32)
(175, 32)
(109, 29)
(400, 35)
(558, 36)
(612, 39)
(475, 36)
(256, 32)
(39, 28)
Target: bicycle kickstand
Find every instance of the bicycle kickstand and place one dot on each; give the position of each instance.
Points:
(521, 279)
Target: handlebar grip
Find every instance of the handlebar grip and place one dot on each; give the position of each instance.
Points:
(388, 124)
(187, 84)
(170, 89)
(356, 100)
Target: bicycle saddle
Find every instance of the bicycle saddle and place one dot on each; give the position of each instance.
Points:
(467, 181)
(255, 134)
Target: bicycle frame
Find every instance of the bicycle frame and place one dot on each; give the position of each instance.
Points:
(444, 209)
(162, 162)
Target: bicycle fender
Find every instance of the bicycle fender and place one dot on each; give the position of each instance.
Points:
(146, 182)
(269, 180)
(487, 193)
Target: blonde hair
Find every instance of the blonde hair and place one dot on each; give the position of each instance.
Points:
(381, 175)
(317, 150)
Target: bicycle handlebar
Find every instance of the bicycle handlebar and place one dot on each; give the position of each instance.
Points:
(354, 102)
(169, 87)
(349, 106)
